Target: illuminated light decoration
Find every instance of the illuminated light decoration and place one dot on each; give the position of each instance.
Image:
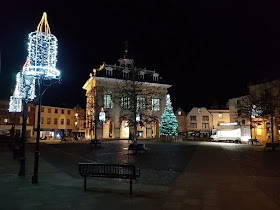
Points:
(42, 52)
(137, 118)
(102, 115)
(15, 104)
(40, 63)
(168, 125)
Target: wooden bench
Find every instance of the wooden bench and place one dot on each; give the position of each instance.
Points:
(96, 142)
(120, 171)
(137, 148)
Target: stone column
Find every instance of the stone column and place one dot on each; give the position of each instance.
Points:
(99, 130)
(148, 131)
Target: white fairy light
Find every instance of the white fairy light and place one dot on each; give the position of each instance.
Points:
(41, 62)
(42, 52)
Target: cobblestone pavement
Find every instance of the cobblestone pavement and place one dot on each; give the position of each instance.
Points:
(260, 165)
(188, 175)
(159, 166)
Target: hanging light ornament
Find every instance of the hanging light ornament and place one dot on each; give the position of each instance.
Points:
(40, 63)
(42, 51)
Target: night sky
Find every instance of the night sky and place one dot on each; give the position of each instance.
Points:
(209, 50)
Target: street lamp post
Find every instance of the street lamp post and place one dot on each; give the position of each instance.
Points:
(23, 140)
(36, 160)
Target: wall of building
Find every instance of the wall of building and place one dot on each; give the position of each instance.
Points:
(115, 114)
(219, 116)
(54, 119)
(203, 120)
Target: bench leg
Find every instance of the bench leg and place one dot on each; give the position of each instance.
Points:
(130, 186)
(85, 183)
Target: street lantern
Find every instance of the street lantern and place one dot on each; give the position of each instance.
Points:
(40, 65)
(138, 118)
(102, 115)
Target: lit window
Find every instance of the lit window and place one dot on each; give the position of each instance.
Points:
(193, 125)
(125, 102)
(156, 104)
(179, 113)
(205, 118)
(220, 115)
(108, 103)
(5, 120)
(205, 125)
(76, 123)
(140, 102)
(193, 118)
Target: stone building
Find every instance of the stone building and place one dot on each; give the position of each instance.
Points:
(58, 121)
(200, 122)
(219, 116)
(7, 120)
(182, 121)
(124, 94)
(266, 96)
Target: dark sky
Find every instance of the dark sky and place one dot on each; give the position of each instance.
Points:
(209, 50)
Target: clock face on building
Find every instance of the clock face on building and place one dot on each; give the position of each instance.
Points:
(198, 110)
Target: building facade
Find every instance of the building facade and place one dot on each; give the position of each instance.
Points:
(7, 120)
(219, 116)
(122, 95)
(200, 123)
(182, 122)
(57, 122)
(264, 122)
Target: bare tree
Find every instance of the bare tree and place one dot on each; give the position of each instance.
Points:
(266, 97)
(138, 99)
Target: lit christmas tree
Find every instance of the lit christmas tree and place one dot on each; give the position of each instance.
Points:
(168, 123)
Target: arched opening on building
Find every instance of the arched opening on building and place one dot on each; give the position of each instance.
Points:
(124, 129)
(108, 129)
(141, 130)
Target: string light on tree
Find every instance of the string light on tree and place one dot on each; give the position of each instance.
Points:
(168, 123)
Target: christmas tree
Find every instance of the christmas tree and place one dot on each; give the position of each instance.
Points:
(168, 123)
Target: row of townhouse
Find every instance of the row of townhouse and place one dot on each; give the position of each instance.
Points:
(55, 121)
(200, 121)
